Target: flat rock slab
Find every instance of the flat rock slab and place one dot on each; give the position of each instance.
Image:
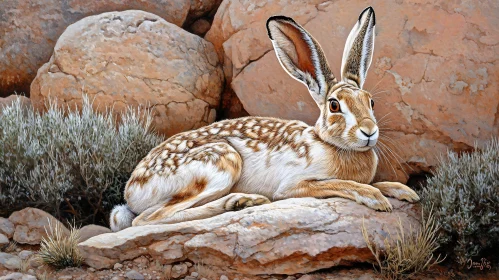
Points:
(291, 236)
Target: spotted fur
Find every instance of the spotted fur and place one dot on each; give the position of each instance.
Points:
(233, 164)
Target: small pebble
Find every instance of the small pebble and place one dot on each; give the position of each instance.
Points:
(91, 269)
(223, 277)
(118, 266)
(132, 274)
(25, 254)
(194, 274)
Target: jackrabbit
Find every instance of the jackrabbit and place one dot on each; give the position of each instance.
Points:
(233, 164)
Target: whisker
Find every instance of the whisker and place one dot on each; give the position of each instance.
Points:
(375, 86)
(396, 157)
(396, 149)
(386, 158)
(381, 91)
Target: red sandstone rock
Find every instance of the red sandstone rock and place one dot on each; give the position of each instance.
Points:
(434, 70)
(32, 224)
(285, 237)
(134, 58)
(29, 30)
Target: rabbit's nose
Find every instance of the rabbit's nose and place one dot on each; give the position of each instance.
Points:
(368, 127)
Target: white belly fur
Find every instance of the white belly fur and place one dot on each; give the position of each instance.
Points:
(265, 174)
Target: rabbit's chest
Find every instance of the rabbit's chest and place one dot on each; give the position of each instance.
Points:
(355, 166)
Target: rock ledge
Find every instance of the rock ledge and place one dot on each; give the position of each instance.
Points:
(286, 237)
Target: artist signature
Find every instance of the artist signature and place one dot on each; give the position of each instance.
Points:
(482, 264)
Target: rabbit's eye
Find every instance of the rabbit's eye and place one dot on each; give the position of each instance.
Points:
(372, 104)
(334, 106)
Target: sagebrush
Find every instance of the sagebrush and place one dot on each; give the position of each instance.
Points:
(408, 251)
(73, 164)
(465, 195)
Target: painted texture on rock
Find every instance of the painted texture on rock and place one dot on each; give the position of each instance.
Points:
(291, 236)
(434, 71)
(29, 30)
(134, 58)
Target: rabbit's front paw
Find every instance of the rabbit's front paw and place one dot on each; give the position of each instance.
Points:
(375, 200)
(240, 201)
(397, 190)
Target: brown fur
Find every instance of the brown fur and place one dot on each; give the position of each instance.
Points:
(193, 189)
(340, 188)
(190, 192)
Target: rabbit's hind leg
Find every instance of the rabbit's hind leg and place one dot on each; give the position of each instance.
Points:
(212, 168)
(230, 202)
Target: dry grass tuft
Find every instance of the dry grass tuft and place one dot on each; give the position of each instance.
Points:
(59, 250)
(9, 248)
(407, 254)
(24, 267)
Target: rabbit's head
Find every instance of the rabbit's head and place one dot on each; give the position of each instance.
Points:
(347, 120)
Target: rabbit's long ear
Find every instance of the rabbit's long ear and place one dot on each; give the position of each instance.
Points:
(301, 56)
(358, 52)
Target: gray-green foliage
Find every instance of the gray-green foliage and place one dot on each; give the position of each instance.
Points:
(465, 195)
(69, 161)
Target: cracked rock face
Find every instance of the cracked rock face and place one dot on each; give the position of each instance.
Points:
(433, 71)
(285, 237)
(134, 58)
(29, 30)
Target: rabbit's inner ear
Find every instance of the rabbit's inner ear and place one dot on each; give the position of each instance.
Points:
(358, 52)
(301, 56)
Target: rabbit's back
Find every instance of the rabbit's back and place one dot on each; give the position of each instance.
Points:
(254, 138)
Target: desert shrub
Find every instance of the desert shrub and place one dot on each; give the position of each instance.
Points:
(465, 195)
(407, 253)
(73, 164)
(58, 249)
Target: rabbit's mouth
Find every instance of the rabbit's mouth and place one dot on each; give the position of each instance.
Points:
(369, 143)
(365, 140)
(363, 145)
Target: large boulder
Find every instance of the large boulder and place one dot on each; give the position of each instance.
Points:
(285, 237)
(29, 30)
(31, 225)
(433, 72)
(134, 58)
